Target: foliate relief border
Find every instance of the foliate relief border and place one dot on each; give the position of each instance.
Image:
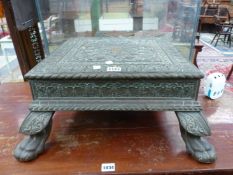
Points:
(164, 88)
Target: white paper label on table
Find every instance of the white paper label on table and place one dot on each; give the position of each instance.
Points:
(108, 62)
(96, 67)
(108, 167)
(114, 69)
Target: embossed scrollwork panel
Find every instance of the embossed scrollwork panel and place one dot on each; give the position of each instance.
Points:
(111, 88)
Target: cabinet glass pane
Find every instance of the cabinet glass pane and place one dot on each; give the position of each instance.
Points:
(174, 21)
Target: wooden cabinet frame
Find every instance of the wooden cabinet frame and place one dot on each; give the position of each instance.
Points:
(27, 43)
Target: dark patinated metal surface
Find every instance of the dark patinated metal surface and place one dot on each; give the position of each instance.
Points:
(35, 122)
(130, 70)
(134, 58)
(126, 74)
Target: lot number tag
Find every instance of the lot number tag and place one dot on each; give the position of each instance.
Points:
(107, 167)
(114, 69)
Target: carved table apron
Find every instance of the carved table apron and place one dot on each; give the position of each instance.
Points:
(115, 74)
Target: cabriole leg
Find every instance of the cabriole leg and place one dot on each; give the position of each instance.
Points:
(193, 127)
(37, 125)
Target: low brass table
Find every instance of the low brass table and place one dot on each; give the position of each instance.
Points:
(117, 74)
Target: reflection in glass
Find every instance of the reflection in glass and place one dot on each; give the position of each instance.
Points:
(173, 20)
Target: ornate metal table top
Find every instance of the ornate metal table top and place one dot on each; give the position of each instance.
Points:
(115, 58)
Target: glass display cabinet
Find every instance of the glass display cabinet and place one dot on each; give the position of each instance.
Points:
(117, 55)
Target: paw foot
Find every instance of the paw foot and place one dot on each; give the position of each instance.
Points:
(200, 149)
(29, 148)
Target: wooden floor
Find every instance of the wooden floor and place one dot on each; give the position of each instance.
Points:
(137, 142)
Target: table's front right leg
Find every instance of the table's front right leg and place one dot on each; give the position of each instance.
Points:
(194, 127)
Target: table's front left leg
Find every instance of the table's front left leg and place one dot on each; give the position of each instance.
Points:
(193, 127)
(38, 126)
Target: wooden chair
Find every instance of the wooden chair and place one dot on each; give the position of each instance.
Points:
(223, 32)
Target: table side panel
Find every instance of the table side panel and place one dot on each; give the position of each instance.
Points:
(166, 89)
